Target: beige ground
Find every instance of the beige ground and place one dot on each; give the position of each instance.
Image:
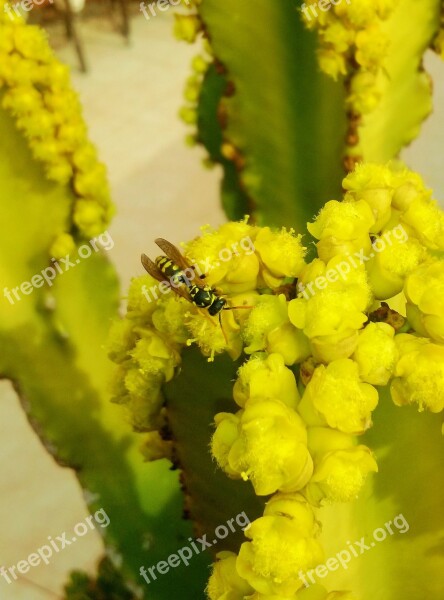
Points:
(131, 97)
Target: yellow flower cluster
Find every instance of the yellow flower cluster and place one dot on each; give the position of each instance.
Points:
(319, 338)
(36, 92)
(352, 41)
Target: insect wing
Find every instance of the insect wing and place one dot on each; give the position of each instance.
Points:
(155, 272)
(151, 268)
(173, 253)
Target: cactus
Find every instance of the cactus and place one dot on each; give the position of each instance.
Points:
(317, 374)
(55, 199)
(327, 383)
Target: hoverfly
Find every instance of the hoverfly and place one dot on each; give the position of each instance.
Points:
(172, 266)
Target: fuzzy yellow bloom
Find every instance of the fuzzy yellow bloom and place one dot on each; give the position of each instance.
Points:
(342, 227)
(266, 377)
(226, 434)
(269, 328)
(365, 92)
(398, 254)
(212, 337)
(144, 400)
(372, 183)
(341, 467)
(224, 582)
(282, 543)
(155, 448)
(371, 47)
(169, 318)
(121, 339)
(187, 27)
(419, 373)
(138, 297)
(313, 592)
(376, 353)
(339, 397)
(337, 36)
(226, 256)
(424, 289)
(331, 63)
(155, 356)
(332, 309)
(426, 219)
(63, 245)
(281, 254)
(340, 476)
(270, 449)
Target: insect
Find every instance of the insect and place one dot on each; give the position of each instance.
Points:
(173, 265)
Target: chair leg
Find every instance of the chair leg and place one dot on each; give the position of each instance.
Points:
(125, 20)
(72, 33)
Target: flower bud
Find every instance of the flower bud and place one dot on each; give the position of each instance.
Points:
(339, 397)
(424, 289)
(225, 582)
(280, 547)
(376, 353)
(266, 377)
(419, 373)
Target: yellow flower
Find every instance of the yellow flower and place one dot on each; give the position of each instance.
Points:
(62, 246)
(371, 47)
(140, 297)
(268, 328)
(187, 27)
(226, 434)
(212, 337)
(424, 289)
(144, 400)
(169, 317)
(341, 467)
(282, 543)
(121, 339)
(376, 353)
(365, 92)
(360, 14)
(266, 377)
(396, 254)
(224, 582)
(342, 227)
(426, 219)
(281, 254)
(155, 356)
(271, 447)
(331, 63)
(419, 373)
(372, 183)
(226, 256)
(340, 398)
(155, 448)
(332, 309)
(338, 36)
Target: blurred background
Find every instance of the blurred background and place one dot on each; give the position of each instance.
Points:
(130, 74)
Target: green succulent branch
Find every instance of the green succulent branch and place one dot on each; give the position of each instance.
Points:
(54, 197)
